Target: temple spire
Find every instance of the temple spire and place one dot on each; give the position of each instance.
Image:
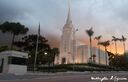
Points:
(69, 12)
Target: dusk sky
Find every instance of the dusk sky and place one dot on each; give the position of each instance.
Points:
(107, 17)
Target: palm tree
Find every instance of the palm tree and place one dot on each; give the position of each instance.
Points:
(98, 40)
(90, 33)
(105, 44)
(115, 40)
(14, 28)
(123, 40)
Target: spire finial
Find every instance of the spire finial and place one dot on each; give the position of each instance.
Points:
(69, 12)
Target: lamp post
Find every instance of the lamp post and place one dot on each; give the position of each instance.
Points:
(45, 53)
(74, 46)
(48, 57)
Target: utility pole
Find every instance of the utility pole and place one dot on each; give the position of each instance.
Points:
(36, 51)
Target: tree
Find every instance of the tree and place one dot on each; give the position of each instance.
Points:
(105, 44)
(90, 33)
(3, 48)
(28, 44)
(115, 40)
(118, 61)
(14, 28)
(55, 53)
(98, 40)
(123, 40)
(111, 58)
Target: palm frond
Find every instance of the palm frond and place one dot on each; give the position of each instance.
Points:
(90, 32)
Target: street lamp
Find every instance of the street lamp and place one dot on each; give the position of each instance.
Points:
(74, 47)
(45, 53)
(29, 56)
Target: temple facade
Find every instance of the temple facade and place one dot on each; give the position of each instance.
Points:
(68, 42)
(70, 51)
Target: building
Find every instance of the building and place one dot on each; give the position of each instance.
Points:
(102, 56)
(82, 54)
(68, 42)
(13, 62)
(70, 52)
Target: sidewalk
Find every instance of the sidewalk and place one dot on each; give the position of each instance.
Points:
(34, 75)
(42, 75)
(57, 73)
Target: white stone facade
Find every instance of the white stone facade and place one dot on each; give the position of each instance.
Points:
(68, 42)
(82, 54)
(13, 62)
(70, 52)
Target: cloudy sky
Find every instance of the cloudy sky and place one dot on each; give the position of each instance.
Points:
(107, 17)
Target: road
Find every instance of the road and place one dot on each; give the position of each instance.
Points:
(92, 77)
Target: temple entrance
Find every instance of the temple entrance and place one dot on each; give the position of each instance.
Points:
(63, 61)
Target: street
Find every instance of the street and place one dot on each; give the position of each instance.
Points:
(91, 77)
